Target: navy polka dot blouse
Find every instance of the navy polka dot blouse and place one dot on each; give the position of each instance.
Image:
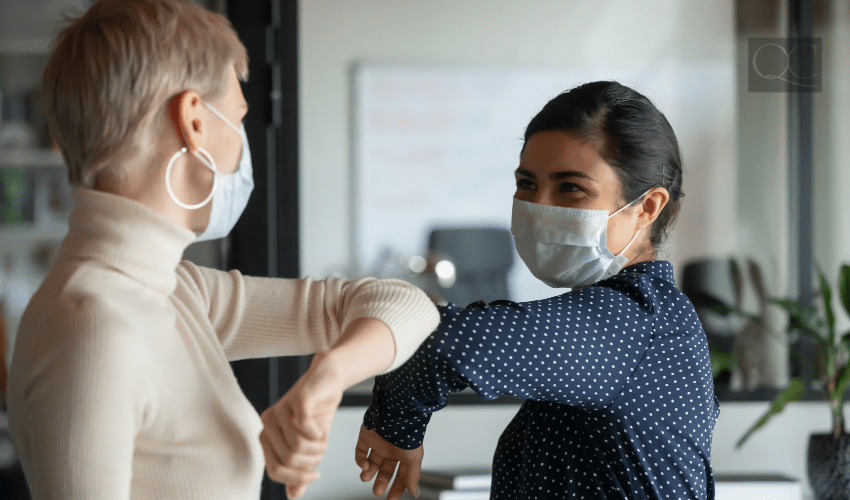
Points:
(619, 396)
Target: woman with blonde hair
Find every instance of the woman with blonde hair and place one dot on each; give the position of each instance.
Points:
(120, 385)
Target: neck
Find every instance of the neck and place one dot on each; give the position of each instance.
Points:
(642, 252)
(146, 185)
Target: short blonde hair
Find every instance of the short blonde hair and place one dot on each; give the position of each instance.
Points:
(114, 69)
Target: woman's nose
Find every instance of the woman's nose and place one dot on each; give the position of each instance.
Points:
(542, 197)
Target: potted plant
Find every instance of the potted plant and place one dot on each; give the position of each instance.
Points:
(828, 454)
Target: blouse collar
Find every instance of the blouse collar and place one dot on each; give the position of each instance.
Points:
(656, 268)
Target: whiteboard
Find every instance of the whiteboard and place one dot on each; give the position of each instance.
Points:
(437, 145)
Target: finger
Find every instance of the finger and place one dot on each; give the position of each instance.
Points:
(306, 455)
(295, 490)
(361, 454)
(304, 461)
(297, 443)
(292, 413)
(399, 483)
(311, 447)
(385, 474)
(275, 437)
(412, 473)
(289, 438)
(289, 475)
(285, 474)
(314, 418)
(273, 462)
(309, 426)
(374, 464)
(325, 422)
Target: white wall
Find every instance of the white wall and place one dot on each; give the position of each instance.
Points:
(335, 34)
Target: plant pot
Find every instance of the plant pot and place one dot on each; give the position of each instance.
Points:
(829, 466)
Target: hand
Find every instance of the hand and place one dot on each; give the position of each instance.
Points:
(383, 459)
(296, 428)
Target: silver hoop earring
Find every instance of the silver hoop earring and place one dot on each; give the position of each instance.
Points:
(211, 166)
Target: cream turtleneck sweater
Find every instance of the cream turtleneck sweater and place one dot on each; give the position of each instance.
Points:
(120, 385)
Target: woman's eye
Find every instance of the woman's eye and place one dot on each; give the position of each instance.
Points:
(569, 187)
(524, 184)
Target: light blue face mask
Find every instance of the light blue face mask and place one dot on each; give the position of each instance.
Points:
(566, 247)
(230, 192)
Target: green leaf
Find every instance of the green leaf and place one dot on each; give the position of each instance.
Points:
(802, 316)
(826, 294)
(841, 381)
(722, 309)
(844, 343)
(793, 392)
(844, 286)
(721, 361)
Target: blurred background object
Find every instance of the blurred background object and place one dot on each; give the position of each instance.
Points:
(713, 285)
(471, 263)
(745, 336)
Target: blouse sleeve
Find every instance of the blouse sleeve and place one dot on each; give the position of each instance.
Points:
(576, 349)
(262, 317)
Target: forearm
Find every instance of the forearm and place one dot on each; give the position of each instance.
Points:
(365, 348)
(404, 399)
(296, 428)
(263, 317)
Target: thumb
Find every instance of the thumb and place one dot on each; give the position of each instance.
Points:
(312, 429)
(295, 490)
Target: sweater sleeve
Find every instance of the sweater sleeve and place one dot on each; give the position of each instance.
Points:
(577, 349)
(261, 317)
(83, 409)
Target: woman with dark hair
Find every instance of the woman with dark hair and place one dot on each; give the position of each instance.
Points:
(619, 400)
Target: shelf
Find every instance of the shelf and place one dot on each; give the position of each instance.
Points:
(31, 158)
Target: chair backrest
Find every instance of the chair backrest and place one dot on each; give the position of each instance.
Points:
(714, 285)
(711, 280)
(482, 258)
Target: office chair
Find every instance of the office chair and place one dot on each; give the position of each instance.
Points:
(482, 258)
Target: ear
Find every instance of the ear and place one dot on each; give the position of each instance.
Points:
(186, 115)
(653, 203)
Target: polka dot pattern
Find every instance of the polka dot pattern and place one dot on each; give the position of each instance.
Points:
(616, 377)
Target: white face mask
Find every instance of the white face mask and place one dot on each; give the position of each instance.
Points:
(566, 247)
(230, 192)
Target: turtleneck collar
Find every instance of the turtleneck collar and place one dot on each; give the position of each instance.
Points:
(127, 236)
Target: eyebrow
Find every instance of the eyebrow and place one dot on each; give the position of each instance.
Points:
(555, 176)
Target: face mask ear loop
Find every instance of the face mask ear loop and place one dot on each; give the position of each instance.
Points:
(220, 115)
(630, 244)
(620, 210)
(627, 205)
